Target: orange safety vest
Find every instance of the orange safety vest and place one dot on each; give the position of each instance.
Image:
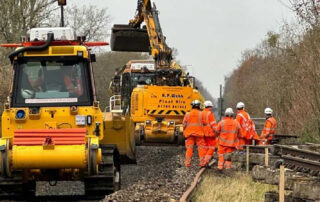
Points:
(228, 132)
(269, 128)
(250, 131)
(242, 117)
(193, 124)
(210, 123)
(77, 86)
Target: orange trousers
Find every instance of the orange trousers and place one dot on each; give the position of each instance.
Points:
(242, 142)
(190, 142)
(222, 150)
(211, 147)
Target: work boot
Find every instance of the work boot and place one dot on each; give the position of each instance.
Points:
(219, 170)
(203, 165)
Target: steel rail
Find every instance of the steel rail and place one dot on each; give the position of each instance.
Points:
(304, 154)
(195, 182)
(302, 165)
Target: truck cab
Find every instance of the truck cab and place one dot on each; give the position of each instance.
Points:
(52, 126)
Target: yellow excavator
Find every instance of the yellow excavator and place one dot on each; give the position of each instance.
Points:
(157, 93)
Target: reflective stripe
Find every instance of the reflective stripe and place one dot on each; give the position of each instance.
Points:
(201, 147)
(211, 147)
(227, 141)
(189, 146)
(244, 118)
(240, 114)
(229, 131)
(194, 124)
(213, 122)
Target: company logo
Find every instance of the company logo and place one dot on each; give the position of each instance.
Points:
(173, 95)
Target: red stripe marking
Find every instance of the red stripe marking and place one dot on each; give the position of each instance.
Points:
(74, 136)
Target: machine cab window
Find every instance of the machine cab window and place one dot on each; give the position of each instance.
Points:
(53, 80)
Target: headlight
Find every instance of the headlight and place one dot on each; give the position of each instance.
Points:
(21, 114)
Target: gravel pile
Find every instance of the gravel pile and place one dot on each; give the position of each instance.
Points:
(159, 175)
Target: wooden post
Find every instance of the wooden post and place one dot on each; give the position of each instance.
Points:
(266, 157)
(281, 184)
(248, 159)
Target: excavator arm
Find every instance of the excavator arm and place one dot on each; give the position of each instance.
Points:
(149, 38)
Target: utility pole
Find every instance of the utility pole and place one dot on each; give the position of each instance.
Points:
(62, 3)
(220, 104)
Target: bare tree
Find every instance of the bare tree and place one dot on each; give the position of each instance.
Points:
(308, 11)
(18, 16)
(89, 21)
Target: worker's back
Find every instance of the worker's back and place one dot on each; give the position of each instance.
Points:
(227, 131)
(193, 124)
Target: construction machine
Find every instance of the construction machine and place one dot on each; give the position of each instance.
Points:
(52, 126)
(157, 93)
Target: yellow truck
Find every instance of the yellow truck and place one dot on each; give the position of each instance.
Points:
(52, 126)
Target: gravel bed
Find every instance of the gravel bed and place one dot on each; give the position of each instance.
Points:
(159, 175)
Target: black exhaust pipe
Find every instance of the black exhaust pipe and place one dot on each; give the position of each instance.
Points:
(33, 48)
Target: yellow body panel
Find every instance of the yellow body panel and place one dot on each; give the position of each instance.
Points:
(62, 118)
(36, 157)
(59, 51)
(119, 130)
(159, 132)
(169, 103)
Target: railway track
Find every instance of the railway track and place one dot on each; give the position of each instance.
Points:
(160, 175)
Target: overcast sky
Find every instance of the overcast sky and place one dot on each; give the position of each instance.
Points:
(210, 35)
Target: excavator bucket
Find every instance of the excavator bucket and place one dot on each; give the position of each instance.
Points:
(126, 38)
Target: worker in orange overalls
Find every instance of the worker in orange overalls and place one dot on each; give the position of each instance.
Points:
(228, 132)
(269, 128)
(72, 83)
(209, 130)
(193, 132)
(242, 117)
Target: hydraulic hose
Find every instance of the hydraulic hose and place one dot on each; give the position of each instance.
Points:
(33, 48)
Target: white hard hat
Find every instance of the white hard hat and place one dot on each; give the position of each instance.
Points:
(268, 110)
(195, 103)
(27, 93)
(208, 103)
(240, 105)
(229, 112)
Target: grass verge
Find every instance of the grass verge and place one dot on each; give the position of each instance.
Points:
(222, 188)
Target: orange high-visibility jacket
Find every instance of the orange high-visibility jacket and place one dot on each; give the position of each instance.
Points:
(269, 128)
(250, 131)
(210, 123)
(242, 117)
(228, 132)
(193, 124)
